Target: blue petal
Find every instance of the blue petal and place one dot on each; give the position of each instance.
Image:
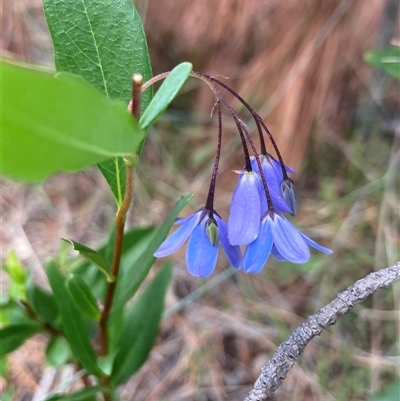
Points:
(201, 255)
(277, 255)
(232, 252)
(315, 245)
(257, 253)
(177, 239)
(261, 190)
(288, 241)
(273, 178)
(180, 220)
(244, 218)
(277, 165)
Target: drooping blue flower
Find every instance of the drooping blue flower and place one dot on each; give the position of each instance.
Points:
(245, 211)
(205, 231)
(278, 167)
(274, 176)
(281, 238)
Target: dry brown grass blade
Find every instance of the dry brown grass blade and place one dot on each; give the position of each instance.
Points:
(261, 45)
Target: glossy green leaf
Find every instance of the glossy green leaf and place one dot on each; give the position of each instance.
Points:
(104, 42)
(86, 394)
(43, 303)
(57, 351)
(73, 322)
(59, 123)
(387, 59)
(13, 336)
(164, 96)
(133, 276)
(390, 392)
(83, 297)
(92, 256)
(140, 327)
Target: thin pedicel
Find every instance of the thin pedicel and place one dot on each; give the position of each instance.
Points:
(259, 225)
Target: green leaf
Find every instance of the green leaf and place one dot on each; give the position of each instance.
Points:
(57, 351)
(114, 171)
(164, 96)
(73, 322)
(12, 337)
(4, 368)
(92, 256)
(104, 42)
(140, 327)
(105, 363)
(43, 303)
(59, 123)
(133, 242)
(15, 269)
(86, 394)
(83, 297)
(19, 277)
(389, 393)
(387, 59)
(11, 312)
(132, 277)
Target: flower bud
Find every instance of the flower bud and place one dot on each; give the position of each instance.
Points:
(212, 231)
(289, 194)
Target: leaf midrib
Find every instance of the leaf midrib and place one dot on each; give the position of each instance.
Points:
(96, 47)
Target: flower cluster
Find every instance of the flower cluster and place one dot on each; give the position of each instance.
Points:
(256, 223)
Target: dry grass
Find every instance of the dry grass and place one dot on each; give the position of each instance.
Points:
(301, 63)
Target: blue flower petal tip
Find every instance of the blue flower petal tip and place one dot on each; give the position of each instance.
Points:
(245, 211)
(281, 239)
(273, 175)
(205, 231)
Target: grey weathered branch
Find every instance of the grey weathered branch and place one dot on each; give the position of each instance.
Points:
(275, 370)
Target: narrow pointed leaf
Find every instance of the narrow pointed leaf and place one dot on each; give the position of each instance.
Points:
(92, 256)
(114, 171)
(164, 96)
(134, 242)
(86, 394)
(59, 123)
(43, 303)
(387, 59)
(12, 337)
(83, 297)
(140, 327)
(104, 42)
(73, 322)
(131, 277)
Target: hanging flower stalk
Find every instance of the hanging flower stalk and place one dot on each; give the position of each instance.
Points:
(257, 227)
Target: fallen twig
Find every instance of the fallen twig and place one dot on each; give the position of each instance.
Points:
(275, 370)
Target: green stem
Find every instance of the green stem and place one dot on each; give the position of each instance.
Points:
(119, 235)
